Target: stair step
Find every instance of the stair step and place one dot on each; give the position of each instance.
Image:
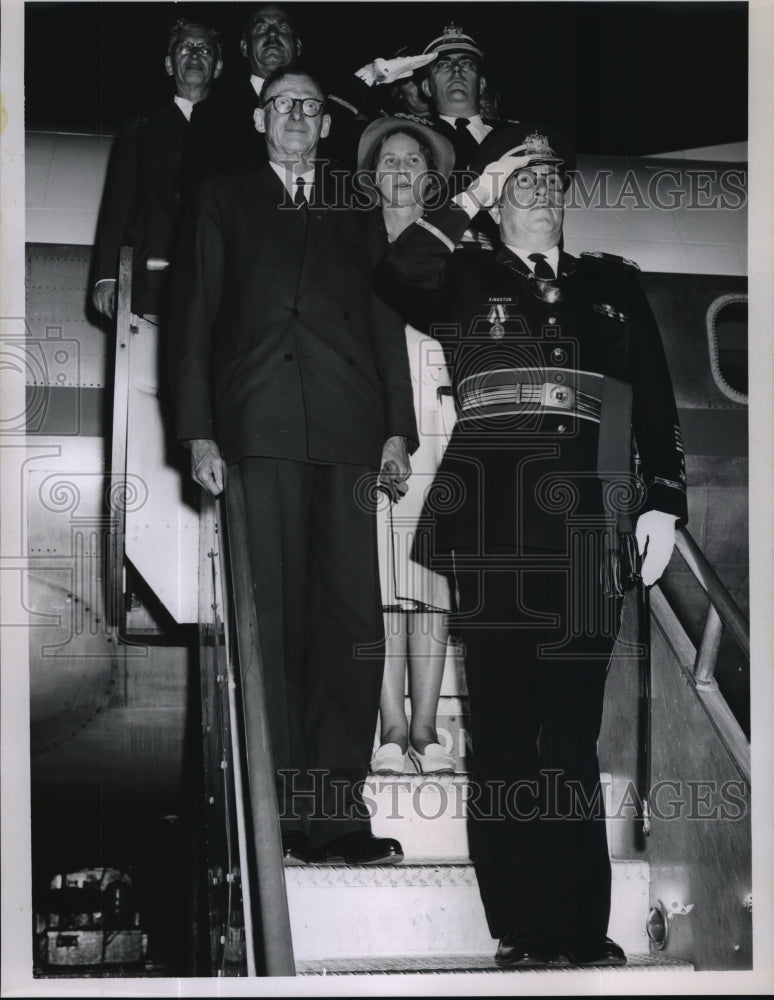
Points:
(414, 910)
(427, 813)
(439, 964)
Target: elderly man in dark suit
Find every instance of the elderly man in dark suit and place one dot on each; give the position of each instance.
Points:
(565, 462)
(141, 203)
(293, 377)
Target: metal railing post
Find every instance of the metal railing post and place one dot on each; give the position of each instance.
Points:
(707, 655)
(726, 606)
(120, 429)
(267, 841)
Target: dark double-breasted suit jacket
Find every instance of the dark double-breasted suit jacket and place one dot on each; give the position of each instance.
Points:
(284, 355)
(281, 349)
(523, 473)
(141, 205)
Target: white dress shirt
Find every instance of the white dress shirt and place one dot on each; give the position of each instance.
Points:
(257, 83)
(289, 179)
(185, 106)
(475, 126)
(551, 256)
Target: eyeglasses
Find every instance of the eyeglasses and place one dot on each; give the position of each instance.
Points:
(262, 28)
(283, 105)
(202, 48)
(527, 180)
(463, 63)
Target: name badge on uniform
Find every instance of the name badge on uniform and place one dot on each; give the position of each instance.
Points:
(497, 316)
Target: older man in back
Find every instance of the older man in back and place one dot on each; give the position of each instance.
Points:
(292, 377)
(223, 136)
(141, 204)
(223, 139)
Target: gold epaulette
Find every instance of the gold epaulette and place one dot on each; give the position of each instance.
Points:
(611, 258)
(476, 238)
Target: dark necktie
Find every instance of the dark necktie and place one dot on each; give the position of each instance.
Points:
(542, 268)
(299, 198)
(465, 144)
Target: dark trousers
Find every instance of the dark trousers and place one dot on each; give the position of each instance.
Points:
(312, 541)
(538, 644)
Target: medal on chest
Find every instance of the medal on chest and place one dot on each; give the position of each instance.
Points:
(496, 318)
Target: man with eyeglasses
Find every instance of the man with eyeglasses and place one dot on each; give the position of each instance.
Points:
(142, 201)
(566, 468)
(293, 378)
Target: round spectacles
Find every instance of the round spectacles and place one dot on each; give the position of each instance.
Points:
(283, 105)
(262, 28)
(203, 49)
(527, 180)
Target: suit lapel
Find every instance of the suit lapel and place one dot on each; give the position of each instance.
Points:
(287, 225)
(318, 225)
(513, 262)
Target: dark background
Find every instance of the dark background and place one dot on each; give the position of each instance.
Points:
(619, 78)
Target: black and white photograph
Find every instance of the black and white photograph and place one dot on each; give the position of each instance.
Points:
(387, 471)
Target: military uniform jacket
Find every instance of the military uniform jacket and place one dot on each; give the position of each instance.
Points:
(535, 366)
(141, 203)
(279, 347)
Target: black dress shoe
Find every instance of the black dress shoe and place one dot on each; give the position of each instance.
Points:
(521, 951)
(601, 951)
(294, 847)
(358, 848)
(560, 958)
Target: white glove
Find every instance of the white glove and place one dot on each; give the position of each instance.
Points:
(486, 189)
(390, 70)
(655, 534)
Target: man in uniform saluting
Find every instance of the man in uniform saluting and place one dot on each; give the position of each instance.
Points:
(565, 469)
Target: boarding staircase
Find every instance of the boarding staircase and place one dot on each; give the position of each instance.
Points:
(425, 915)
(681, 886)
(680, 891)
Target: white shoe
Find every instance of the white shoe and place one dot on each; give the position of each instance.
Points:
(434, 760)
(388, 759)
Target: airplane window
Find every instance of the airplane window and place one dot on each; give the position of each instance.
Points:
(727, 332)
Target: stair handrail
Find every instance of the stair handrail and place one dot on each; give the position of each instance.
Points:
(267, 854)
(214, 617)
(723, 611)
(119, 436)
